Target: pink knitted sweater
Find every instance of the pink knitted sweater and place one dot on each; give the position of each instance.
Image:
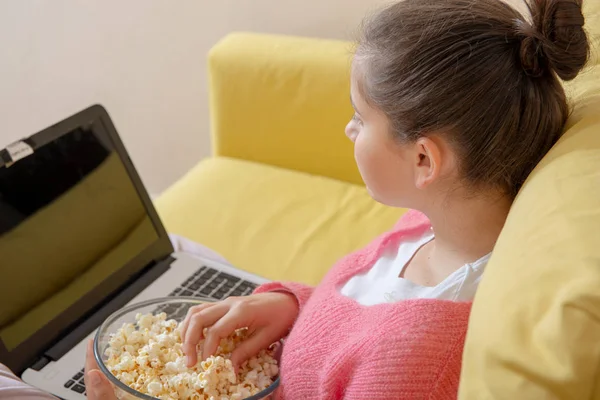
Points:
(340, 349)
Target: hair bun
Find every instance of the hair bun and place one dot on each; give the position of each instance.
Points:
(555, 40)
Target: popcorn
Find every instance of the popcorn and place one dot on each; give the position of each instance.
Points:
(148, 357)
(155, 388)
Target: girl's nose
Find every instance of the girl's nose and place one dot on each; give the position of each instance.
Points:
(350, 131)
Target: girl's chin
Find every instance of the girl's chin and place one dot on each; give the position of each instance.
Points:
(374, 195)
(383, 200)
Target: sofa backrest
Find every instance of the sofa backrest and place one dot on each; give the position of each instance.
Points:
(535, 326)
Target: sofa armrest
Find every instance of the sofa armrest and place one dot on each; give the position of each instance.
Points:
(283, 101)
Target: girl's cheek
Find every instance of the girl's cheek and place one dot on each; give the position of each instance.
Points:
(359, 144)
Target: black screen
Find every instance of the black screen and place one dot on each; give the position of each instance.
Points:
(70, 217)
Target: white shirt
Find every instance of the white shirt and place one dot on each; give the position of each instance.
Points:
(382, 283)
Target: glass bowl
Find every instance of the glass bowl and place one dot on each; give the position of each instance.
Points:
(176, 308)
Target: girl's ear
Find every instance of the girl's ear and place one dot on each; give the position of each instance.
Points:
(427, 161)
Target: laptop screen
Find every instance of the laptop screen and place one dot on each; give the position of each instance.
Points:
(71, 218)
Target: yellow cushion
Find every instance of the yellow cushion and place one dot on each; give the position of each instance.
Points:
(280, 224)
(535, 327)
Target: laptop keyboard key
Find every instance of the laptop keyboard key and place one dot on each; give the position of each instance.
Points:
(160, 309)
(206, 291)
(170, 310)
(78, 388)
(237, 292)
(231, 277)
(69, 383)
(243, 287)
(209, 272)
(187, 293)
(78, 376)
(221, 293)
(195, 286)
(179, 315)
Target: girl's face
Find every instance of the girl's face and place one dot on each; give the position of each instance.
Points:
(381, 160)
(396, 174)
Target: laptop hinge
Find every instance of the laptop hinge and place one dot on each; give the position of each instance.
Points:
(95, 320)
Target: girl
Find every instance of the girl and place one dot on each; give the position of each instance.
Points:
(455, 103)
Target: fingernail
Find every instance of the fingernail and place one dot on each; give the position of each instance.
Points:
(95, 379)
(189, 361)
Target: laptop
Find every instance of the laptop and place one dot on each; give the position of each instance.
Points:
(79, 239)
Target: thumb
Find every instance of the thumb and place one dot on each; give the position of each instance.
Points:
(250, 347)
(98, 387)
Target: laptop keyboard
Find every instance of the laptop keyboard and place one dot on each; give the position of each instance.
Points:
(205, 282)
(76, 383)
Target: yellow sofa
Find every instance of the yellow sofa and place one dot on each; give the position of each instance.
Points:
(281, 196)
(534, 331)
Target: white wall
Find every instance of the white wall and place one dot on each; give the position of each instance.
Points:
(144, 60)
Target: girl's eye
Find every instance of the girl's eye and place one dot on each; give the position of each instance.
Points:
(355, 118)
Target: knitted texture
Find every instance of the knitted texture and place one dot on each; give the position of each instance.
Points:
(338, 348)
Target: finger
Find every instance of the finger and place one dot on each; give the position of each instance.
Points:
(224, 327)
(198, 322)
(98, 387)
(90, 360)
(190, 313)
(261, 339)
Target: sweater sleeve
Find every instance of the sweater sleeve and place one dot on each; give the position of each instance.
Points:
(300, 291)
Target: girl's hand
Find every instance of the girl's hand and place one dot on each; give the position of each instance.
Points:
(268, 317)
(97, 385)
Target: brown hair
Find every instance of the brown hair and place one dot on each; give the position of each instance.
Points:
(480, 72)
